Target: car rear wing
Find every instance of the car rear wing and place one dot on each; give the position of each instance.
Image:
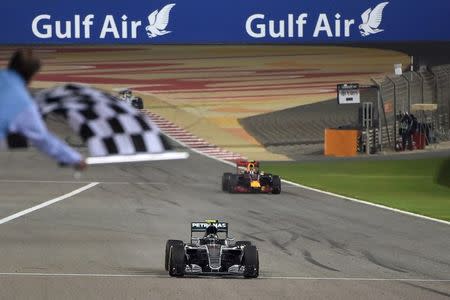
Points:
(201, 226)
(246, 164)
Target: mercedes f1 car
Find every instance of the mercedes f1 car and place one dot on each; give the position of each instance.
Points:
(211, 254)
(126, 95)
(249, 179)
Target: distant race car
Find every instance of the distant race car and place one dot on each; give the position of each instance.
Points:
(127, 96)
(250, 179)
(210, 254)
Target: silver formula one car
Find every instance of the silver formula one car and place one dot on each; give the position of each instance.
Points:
(126, 95)
(210, 254)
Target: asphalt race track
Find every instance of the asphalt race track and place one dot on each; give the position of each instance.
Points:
(108, 240)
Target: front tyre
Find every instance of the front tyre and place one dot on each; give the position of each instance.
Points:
(225, 181)
(138, 103)
(250, 260)
(233, 183)
(169, 245)
(177, 261)
(276, 184)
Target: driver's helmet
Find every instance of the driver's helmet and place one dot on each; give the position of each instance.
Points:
(211, 231)
(252, 168)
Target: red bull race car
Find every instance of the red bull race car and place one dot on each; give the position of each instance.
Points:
(249, 179)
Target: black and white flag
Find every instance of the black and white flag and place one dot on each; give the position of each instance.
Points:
(108, 126)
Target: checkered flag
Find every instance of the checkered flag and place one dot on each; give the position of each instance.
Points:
(108, 126)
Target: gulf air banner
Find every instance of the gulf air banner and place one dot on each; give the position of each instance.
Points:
(222, 21)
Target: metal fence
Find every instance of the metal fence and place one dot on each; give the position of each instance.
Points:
(399, 93)
(442, 85)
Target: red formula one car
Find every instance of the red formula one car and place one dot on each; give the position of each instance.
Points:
(249, 179)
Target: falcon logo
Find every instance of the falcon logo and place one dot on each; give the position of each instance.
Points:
(158, 21)
(372, 19)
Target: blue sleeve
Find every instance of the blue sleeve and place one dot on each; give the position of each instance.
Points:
(30, 124)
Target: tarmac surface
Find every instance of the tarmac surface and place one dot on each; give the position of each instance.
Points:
(106, 240)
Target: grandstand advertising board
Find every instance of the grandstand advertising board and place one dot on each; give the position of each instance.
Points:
(222, 22)
(348, 93)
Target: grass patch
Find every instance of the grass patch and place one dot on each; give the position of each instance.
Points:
(409, 185)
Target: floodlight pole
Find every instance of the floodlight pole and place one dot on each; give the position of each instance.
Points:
(409, 93)
(395, 109)
(380, 108)
(422, 82)
(366, 110)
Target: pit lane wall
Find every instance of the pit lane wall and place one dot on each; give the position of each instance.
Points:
(227, 21)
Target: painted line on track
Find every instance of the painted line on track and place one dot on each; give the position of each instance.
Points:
(367, 203)
(325, 192)
(188, 139)
(47, 203)
(317, 190)
(341, 196)
(103, 182)
(354, 279)
(80, 182)
(103, 275)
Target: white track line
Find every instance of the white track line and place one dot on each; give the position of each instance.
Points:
(81, 275)
(354, 279)
(325, 192)
(368, 203)
(320, 191)
(343, 197)
(47, 203)
(80, 182)
(41, 181)
(92, 275)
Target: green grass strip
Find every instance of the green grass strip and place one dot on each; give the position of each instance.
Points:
(409, 185)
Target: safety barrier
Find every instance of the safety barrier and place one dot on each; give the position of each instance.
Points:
(399, 93)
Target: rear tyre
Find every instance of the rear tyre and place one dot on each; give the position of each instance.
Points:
(169, 244)
(243, 243)
(233, 183)
(177, 261)
(276, 184)
(225, 181)
(138, 103)
(250, 260)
